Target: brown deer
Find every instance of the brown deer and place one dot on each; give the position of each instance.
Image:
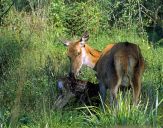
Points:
(70, 88)
(119, 64)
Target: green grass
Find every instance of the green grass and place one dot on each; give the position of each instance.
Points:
(36, 58)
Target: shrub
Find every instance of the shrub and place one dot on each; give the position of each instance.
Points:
(77, 17)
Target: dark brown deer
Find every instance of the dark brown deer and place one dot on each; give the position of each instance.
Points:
(70, 88)
(119, 64)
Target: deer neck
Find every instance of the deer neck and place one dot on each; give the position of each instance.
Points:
(90, 56)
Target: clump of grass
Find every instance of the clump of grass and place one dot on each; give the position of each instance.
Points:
(125, 114)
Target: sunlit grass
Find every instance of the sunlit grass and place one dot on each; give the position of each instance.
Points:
(125, 114)
(36, 58)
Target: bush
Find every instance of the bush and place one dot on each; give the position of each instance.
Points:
(10, 50)
(77, 17)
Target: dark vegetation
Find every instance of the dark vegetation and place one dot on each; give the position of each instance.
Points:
(32, 58)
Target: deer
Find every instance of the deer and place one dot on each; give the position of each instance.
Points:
(70, 88)
(117, 65)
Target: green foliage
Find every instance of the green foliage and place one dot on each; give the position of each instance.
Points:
(9, 53)
(57, 11)
(32, 58)
(77, 17)
(29, 5)
(83, 16)
(41, 63)
(5, 6)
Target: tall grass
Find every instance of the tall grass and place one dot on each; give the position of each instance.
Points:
(32, 58)
(124, 115)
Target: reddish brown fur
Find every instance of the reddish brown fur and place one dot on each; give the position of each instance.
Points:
(123, 65)
(95, 54)
(117, 65)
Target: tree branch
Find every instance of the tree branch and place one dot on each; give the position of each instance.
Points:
(6, 10)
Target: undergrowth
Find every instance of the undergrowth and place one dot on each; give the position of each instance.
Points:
(32, 58)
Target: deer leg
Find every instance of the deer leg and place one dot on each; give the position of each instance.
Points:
(136, 88)
(113, 98)
(114, 91)
(102, 92)
(137, 80)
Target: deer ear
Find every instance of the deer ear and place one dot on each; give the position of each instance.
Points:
(65, 42)
(84, 38)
